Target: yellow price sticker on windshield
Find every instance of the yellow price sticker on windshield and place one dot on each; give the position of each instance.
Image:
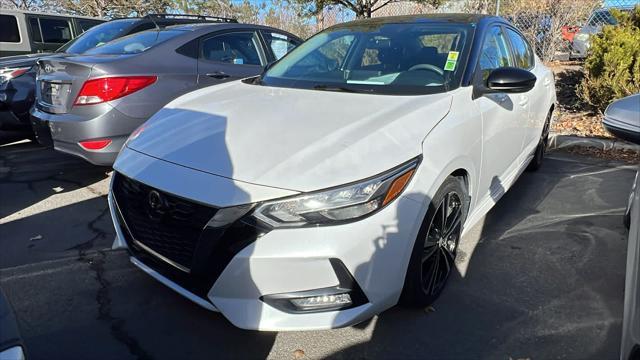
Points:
(453, 55)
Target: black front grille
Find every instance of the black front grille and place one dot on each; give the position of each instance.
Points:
(166, 224)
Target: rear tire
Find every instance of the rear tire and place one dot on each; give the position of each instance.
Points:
(434, 252)
(538, 156)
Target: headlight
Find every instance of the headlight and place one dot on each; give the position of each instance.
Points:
(7, 74)
(343, 203)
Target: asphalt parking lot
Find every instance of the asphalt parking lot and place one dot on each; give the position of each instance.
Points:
(541, 277)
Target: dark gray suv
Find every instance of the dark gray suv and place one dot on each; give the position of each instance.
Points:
(87, 105)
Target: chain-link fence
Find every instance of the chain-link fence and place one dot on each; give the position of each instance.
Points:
(557, 29)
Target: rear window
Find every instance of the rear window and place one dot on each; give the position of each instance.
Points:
(55, 30)
(86, 24)
(136, 43)
(9, 29)
(97, 36)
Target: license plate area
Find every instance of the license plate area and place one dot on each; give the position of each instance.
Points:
(54, 93)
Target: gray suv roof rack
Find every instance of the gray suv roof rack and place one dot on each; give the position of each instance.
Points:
(190, 16)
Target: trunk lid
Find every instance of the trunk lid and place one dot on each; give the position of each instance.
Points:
(59, 80)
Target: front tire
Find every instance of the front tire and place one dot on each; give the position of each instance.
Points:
(538, 156)
(434, 251)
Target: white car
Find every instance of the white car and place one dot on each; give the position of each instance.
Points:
(339, 182)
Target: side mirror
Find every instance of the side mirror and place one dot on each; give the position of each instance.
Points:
(622, 118)
(510, 80)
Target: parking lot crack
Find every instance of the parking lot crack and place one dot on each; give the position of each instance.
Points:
(103, 295)
(98, 234)
(103, 298)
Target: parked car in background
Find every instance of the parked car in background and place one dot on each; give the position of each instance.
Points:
(11, 344)
(27, 32)
(87, 105)
(18, 73)
(338, 182)
(622, 119)
(569, 32)
(598, 19)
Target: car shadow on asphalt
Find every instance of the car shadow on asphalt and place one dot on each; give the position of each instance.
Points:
(88, 292)
(544, 277)
(30, 173)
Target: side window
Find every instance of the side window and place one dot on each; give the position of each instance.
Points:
(9, 29)
(36, 36)
(55, 30)
(522, 52)
(494, 53)
(280, 44)
(233, 48)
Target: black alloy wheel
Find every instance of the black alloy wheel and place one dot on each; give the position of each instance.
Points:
(538, 156)
(441, 243)
(434, 252)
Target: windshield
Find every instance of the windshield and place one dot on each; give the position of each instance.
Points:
(97, 36)
(136, 43)
(401, 59)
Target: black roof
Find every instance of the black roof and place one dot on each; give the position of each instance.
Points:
(458, 18)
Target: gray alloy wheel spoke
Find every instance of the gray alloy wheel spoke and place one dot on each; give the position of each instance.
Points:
(446, 260)
(449, 254)
(428, 252)
(457, 217)
(429, 273)
(443, 213)
(433, 278)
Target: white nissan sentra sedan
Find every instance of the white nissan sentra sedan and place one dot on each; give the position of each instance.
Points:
(338, 183)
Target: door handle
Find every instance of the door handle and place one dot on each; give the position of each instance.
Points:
(218, 75)
(547, 81)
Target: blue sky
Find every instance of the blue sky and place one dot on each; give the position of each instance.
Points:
(608, 3)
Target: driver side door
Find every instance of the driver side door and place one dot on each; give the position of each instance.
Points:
(503, 120)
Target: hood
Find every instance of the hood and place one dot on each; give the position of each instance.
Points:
(22, 60)
(293, 139)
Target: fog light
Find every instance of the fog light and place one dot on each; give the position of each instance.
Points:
(346, 295)
(322, 302)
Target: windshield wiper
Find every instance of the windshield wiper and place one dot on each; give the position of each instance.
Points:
(324, 87)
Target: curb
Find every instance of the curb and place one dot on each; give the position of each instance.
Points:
(564, 141)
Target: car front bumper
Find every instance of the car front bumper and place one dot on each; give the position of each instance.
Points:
(63, 132)
(374, 251)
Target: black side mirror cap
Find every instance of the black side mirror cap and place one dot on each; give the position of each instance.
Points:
(510, 80)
